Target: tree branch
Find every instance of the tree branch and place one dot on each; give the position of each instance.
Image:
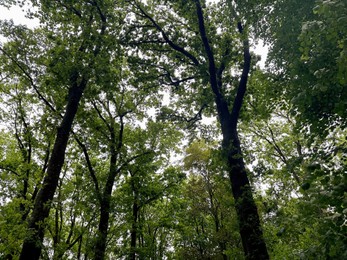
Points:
(31, 80)
(208, 50)
(90, 167)
(241, 90)
(191, 121)
(101, 116)
(166, 37)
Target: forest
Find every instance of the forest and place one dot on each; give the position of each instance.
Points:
(150, 129)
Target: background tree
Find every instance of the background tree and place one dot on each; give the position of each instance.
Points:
(73, 76)
(208, 222)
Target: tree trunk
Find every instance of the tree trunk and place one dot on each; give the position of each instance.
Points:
(250, 230)
(105, 201)
(100, 246)
(251, 234)
(133, 234)
(249, 224)
(32, 245)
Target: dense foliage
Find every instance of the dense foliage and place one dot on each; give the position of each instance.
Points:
(146, 130)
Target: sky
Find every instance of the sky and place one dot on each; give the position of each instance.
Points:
(18, 16)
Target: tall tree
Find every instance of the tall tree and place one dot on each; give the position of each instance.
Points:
(74, 48)
(207, 47)
(24, 150)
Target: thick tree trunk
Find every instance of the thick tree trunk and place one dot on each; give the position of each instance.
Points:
(249, 224)
(100, 246)
(250, 230)
(251, 234)
(32, 245)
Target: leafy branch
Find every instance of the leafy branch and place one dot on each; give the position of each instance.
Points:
(166, 37)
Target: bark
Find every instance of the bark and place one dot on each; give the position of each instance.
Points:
(133, 234)
(25, 146)
(250, 230)
(105, 199)
(100, 245)
(32, 245)
(249, 224)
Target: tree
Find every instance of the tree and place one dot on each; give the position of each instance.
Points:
(24, 150)
(306, 54)
(323, 57)
(79, 55)
(205, 60)
(128, 146)
(95, 104)
(294, 126)
(208, 222)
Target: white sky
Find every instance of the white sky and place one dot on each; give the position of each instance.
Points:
(18, 16)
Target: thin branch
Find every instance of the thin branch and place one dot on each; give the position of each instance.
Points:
(276, 146)
(129, 160)
(191, 121)
(101, 14)
(241, 90)
(176, 82)
(101, 116)
(166, 37)
(90, 167)
(152, 41)
(31, 80)
(70, 8)
(7, 168)
(120, 135)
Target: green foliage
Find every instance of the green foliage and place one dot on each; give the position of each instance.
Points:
(323, 47)
(142, 96)
(207, 221)
(308, 53)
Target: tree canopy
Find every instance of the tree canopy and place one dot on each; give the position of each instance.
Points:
(147, 130)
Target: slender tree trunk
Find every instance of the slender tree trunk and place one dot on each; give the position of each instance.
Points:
(32, 245)
(105, 201)
(79, 250)
(133, 234)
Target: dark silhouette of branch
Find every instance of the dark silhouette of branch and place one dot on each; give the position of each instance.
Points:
(31, 80)
(89, 165)
(191, 121)
(241, 90)
(166, 37)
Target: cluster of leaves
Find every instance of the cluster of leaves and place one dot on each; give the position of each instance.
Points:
(118, 165)
(296, 139)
